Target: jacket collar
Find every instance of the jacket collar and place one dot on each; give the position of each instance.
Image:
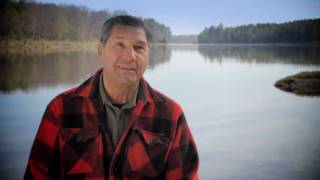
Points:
(90, 88)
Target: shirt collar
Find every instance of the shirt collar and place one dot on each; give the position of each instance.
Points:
(106, 100)
(90, 89)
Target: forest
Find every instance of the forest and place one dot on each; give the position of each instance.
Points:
(28, 20)
(302, 31)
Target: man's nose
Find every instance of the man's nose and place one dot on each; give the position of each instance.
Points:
(131, 53)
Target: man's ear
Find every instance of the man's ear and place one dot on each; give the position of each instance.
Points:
(100, 49)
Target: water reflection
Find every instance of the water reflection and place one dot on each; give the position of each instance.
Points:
(23, 71)
(28, 71)
(159, 54)
(289, 54)
(184, 47)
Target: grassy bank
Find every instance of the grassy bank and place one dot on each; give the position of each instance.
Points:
(45, 45)
(303, 83)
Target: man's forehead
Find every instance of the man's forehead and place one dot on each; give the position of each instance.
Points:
(124, 32)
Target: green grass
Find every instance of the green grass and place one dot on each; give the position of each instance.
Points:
(301, 75)
(45, 45)
(303, 83)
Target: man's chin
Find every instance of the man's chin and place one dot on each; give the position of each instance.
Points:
(128, 81)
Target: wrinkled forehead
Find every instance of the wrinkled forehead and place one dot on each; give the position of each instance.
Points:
(128, 33)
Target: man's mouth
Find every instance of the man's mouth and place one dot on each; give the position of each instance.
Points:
(126, 68)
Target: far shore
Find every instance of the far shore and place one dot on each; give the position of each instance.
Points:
(46, 45)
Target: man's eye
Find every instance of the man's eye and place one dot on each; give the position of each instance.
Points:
(139, 48)
(120, 44)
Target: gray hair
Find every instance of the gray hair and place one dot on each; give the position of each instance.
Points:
(122, 20)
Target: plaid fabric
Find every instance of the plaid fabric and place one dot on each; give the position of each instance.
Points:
(71, 142)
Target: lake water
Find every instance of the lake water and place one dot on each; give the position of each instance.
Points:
(245, 128)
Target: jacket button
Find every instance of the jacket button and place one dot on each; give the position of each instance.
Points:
(79, 138)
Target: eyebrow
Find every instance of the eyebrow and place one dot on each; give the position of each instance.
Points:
(142, 43)
(139, 42)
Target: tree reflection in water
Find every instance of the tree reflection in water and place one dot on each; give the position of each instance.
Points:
(28, 71)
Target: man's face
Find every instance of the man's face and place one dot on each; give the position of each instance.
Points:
(125, 55)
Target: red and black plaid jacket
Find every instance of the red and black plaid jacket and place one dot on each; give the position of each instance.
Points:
(71, 142)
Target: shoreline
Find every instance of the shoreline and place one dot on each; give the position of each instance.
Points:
(43, 43)
(43, 46)
(34, 46)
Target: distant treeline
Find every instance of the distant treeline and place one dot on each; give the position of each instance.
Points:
(184, 38)
(302, 31)
(31, 20)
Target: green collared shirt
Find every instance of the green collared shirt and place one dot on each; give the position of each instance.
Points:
(117, 118)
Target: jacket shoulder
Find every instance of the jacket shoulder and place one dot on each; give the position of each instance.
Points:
(166, 105)
(83, 89)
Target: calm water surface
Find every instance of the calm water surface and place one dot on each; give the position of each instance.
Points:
(244, 127)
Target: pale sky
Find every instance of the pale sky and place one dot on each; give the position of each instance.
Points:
(191, 17)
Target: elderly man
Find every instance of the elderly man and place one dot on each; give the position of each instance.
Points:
(115, 125)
